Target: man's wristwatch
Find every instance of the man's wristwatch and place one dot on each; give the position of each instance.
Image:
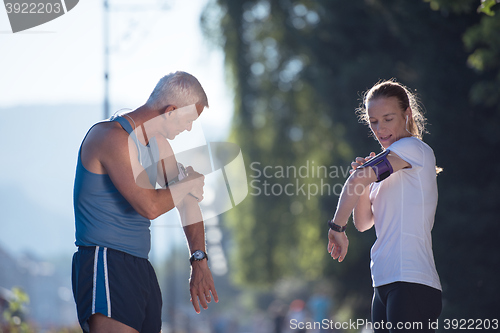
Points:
(197, 256)
(336, 227)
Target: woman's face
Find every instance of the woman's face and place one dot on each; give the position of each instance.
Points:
(387, 120)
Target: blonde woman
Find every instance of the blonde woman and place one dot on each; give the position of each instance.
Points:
(395, 191)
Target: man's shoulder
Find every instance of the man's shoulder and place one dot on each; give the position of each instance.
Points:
(104, 140)
(104, 133)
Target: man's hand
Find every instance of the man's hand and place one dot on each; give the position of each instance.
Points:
(197, 181)
(201, 284)
(190, 186)
(337, 244)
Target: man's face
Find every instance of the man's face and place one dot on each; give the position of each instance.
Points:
(181, 119)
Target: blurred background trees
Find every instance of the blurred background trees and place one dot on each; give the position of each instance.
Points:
(298, 70)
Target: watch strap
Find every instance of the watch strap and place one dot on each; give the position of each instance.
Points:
(336, 227)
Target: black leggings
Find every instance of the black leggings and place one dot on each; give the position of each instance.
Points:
(405, 307)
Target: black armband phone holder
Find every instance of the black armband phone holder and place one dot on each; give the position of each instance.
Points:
(380, 165)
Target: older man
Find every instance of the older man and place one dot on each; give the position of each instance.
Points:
(126, 176)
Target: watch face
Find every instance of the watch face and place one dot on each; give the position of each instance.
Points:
(198, 255)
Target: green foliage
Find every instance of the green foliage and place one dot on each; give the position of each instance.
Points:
(271, 128)
(14, 316)
(464, 6)
(486, 7)
(482, 40)
(458, 6)
(15, 312)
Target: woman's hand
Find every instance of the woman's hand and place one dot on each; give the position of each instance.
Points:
(337, 244)
(360, 161)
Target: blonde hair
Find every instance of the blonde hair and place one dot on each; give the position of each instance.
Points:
(406, 99)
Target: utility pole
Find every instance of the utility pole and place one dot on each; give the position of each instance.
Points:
(106, 59)
(106, 17)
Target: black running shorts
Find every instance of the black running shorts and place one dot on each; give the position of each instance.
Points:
(117, 285)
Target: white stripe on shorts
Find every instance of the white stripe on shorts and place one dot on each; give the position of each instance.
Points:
(96, 256)
(106, 280)
(108, 298)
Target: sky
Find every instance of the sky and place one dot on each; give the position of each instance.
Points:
(51, 92)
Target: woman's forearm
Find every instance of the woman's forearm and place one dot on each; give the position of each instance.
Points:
(353, 188)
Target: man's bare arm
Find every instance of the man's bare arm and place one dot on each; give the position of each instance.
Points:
(119, 158)
(201, 284)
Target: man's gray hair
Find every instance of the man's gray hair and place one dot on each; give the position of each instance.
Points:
(179, 89)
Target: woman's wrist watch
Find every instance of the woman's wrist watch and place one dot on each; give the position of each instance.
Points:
(336, 227)
(197, 256)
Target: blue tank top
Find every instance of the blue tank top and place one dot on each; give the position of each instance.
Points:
(103, 217)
